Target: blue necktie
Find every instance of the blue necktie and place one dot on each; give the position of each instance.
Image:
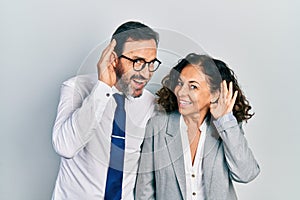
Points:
(113, 189)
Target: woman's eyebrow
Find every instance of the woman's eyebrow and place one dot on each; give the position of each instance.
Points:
(194, 82)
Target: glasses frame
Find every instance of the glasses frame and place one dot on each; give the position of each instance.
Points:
(144, 65)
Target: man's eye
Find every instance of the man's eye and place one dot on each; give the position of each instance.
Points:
(193, 87)
(139, 61)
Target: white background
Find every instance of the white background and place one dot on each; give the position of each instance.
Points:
(42, 43)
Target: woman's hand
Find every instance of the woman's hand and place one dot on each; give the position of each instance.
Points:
(225, 102)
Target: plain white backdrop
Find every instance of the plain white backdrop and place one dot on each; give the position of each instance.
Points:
(43, 43)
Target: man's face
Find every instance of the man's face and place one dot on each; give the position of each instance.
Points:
(132, 82)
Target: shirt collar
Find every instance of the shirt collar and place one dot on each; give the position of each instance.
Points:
(130, 98)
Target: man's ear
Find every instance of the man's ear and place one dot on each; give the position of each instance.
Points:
(114, 59)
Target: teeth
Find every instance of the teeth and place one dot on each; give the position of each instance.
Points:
(139, 82)
(185, 102)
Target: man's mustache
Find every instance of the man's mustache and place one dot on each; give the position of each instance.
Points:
(140, 77)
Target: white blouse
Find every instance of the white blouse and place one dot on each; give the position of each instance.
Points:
(194, 173)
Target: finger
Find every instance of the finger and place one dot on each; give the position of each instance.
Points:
(111, 53)
(221, 91)
(235, 95)
(229, 95)
(232, 101)
(225, 91)
(106, 49)
(113, 59)
(226, 88)
(106, 59)
(109, 49)
(111, 45)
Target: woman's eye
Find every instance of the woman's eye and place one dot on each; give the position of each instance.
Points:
(179, 83)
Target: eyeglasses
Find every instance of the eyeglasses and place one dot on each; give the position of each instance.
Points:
(140, 63)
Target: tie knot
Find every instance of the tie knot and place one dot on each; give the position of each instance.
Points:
(120, 99)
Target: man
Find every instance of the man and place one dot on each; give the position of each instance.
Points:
(96, 162)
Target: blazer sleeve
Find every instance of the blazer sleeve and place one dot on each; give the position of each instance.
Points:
(145, 184)
(240, 160)
(77, 116)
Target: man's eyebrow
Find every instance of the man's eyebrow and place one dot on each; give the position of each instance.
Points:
(141, 58)
(137, 57)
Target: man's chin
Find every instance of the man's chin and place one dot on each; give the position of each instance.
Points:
(137, 93)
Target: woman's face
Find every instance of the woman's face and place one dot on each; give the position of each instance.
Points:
(192, 91)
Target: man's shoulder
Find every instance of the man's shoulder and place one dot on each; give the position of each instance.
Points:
(85, 80)
(147, 94)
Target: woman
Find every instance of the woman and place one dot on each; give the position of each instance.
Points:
(197, 147)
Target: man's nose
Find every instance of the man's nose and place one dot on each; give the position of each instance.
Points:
(145, 72)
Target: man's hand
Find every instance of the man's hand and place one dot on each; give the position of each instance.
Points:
(225, 102)
(106, 64)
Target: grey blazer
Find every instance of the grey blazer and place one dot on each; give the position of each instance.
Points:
(227, 157)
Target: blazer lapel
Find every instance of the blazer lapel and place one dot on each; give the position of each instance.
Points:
(210, 149)
(174, 145)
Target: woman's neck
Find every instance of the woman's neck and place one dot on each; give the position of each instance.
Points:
(193, 123)
(194, 120)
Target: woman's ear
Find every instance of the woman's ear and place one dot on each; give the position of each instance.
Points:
(114, 59)
(214, 97)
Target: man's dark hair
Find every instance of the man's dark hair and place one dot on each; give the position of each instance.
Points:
(135, 31)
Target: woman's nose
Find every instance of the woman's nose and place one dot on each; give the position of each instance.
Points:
(182, 90)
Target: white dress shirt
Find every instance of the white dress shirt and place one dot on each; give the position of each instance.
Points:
(82, 137)
(194, 173)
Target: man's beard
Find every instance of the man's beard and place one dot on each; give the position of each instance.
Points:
(124, 83)
(123, 86)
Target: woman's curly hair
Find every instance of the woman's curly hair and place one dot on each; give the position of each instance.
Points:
(215, 71)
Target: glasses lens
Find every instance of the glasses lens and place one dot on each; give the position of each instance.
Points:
(153, 66)
(139, 65)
